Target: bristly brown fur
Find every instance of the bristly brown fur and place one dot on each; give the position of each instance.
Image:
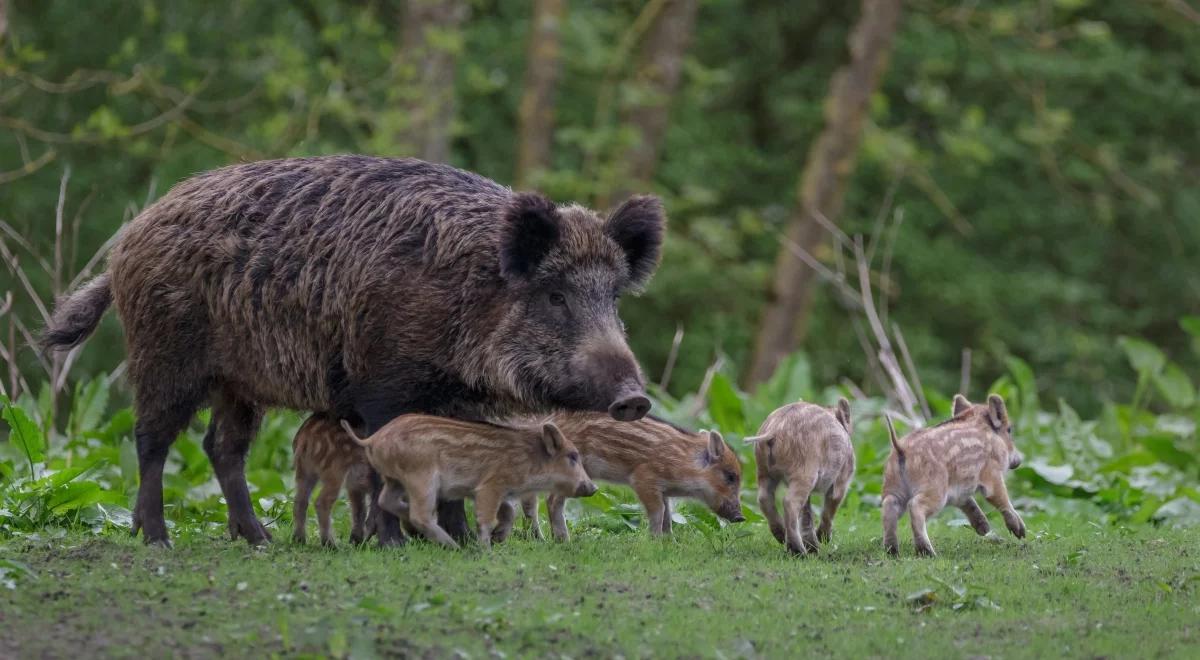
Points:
(807, 448)
(365, 288)
(945, 465)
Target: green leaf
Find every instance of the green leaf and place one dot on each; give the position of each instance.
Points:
(91, 400)
(1191, 325)
(1055, 474)
(725, 406)
(24, 433)
(1163, 447)
(1175, 386)
(1144, 357)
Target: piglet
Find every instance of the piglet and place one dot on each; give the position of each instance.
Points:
(659, 460)
(946, 464)
(426, 458)
(807, 447)
(323, 452)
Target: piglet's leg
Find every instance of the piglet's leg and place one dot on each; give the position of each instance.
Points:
(806, 525)
(529, 508)
(652, 501)
(358, 514)
(997, 495)
(331, 486)
(922, 506)
(487, 510)
(423, 504)
(766, 501)
(505, 518)
(666, 521)
(795, 507)
(893, 508)
(975, 516)
(833, 499)
(555, 505)
(305, 482)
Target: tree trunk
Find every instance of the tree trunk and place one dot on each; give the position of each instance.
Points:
(430, 42)
(658, 70)
(823, 182)
(535, 134)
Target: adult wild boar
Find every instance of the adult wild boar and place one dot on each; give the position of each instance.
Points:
(364, 288)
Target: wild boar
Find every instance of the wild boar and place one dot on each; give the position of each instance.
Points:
(323, 452)
(807, 447)
(946, 464)
(363, 288)
(423, 458)
(658, 460)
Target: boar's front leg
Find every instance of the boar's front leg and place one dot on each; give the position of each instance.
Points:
(234, 424)
(997, 495)
(331, 486)
(974, 514)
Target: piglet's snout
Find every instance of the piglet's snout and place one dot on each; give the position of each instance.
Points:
(585, 489)
(1014, 460)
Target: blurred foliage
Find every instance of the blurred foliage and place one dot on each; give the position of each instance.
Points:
(1043, 155)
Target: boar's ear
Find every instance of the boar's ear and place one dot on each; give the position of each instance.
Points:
(531, 227)
(637, 226)
(843, 413)
(552, 439)
(961, 405)
(997, 412)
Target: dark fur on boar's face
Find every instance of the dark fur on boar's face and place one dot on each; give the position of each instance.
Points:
(365, 288)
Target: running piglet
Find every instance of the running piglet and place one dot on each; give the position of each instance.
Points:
(807, 448)
(946, 464)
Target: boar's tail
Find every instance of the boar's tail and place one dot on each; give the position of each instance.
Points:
(77, 314)
(350, 432)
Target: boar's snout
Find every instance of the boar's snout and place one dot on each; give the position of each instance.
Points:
(629, 407)
(586, 489)
(1014, 460)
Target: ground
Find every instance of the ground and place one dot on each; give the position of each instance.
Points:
(1073, 589)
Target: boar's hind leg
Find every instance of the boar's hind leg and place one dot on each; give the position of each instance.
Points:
(156, 428)
(893, 508)
(452, 517)
(305, 482)
(798, 511)
(234, 424)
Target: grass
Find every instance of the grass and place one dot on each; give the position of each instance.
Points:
(1073, 589)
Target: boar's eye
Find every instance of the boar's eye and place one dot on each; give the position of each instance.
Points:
(1010, 430)
(573, 457)
(730, 477)
(557, 299)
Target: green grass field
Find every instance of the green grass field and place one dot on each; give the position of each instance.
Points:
(1073, 589)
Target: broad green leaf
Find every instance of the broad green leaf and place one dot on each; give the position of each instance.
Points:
(1175, 386)
(1191, 325)
(91, 400)
(1055, 474)
(725, 406)
(1023, 377)
(23, 433)
(1164, 449)
(1144, 357)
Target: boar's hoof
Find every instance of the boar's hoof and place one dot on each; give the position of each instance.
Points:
(299, 539)
(800, 550)
(925, 551)
(252, 530)
(777, 531)
(892, 551)
(629, 408)
(163, 542)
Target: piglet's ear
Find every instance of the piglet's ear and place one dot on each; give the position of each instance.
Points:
(716, 446)
(961, 405)
(843, 413)
(997, 412)
(637, 226)
(530, 228)
(552, 439)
